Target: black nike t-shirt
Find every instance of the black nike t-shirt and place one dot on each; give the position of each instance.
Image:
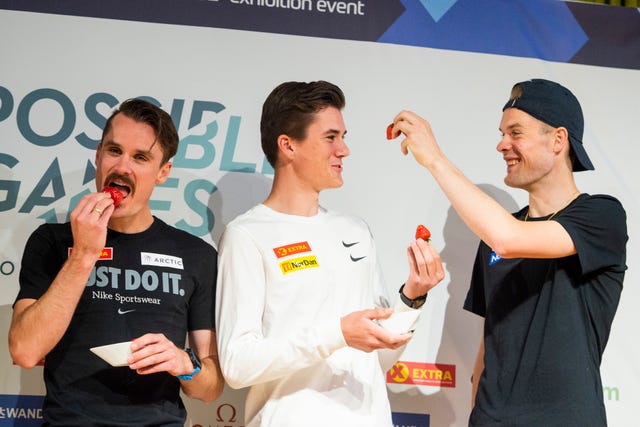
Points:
(159, 281)
(547, 322)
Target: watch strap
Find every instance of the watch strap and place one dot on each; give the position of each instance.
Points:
(196, 366)
(413, 303)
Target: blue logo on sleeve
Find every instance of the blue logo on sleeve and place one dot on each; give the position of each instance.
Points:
(493, 258)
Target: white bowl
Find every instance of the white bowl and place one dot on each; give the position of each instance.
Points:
(400, 322)
(114, 354)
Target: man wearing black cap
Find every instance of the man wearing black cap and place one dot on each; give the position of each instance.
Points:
(546, 279)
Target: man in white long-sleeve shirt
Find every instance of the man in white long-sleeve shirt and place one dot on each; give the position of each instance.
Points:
(300, 298)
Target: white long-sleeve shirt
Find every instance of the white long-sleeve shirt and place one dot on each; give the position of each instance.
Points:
(284, 282)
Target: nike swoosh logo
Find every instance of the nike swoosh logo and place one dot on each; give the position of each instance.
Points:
(354, 259)
(348, 245)
(121, 311)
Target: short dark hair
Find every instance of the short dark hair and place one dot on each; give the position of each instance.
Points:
(160, 121)
(290, 108)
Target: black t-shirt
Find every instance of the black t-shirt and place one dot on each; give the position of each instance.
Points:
(159, 281)
(547, 322)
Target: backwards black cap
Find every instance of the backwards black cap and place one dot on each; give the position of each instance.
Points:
(556, 106)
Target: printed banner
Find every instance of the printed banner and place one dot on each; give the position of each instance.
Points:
(551, 30)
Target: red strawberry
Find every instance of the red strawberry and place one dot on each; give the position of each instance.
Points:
(115, 194)
(423, 233)
(390, 131)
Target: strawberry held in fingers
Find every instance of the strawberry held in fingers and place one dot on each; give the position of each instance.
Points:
(423, 233)
(390, 131)
(115, 194)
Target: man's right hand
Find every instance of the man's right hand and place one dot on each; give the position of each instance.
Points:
(361, 331)
(419, 138)
(38, 325)
(89, 222)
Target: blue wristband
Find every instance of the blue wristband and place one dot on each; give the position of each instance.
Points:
(196, 366)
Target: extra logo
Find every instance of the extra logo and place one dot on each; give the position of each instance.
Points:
(399, 373)
(424, 374)
(292, 249)
(106, 253)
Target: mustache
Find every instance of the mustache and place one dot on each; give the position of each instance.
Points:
(124, 179)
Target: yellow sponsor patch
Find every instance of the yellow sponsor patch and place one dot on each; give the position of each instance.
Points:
(301, 263)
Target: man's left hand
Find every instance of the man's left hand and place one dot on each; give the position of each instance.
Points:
(425, 269)
(153, 353)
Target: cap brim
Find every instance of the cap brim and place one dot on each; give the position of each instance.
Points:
(581, 161)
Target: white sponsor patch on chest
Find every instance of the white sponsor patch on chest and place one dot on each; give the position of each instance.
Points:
(161, 260)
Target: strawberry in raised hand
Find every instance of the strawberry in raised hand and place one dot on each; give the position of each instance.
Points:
(390, 131)
(423, 233)
(115, 194)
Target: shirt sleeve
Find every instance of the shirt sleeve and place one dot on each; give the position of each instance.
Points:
(598, 228)
(202, 301)
(42, 259)
(475, 300)
(247, 356)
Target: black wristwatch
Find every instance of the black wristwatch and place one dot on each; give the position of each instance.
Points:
(196, 366)
(413, 303)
